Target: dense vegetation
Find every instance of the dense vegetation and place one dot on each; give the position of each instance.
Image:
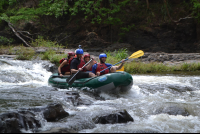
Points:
(97, 12)
(101, 12)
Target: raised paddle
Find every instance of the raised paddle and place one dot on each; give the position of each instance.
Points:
(72, 78)
(134, 55)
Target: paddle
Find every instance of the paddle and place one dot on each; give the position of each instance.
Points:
(72, 78)
(134, 55)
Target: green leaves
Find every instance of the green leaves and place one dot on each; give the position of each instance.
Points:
(98, 10)
(12, 2)
(196, 8)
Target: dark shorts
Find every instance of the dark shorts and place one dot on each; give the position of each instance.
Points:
(82, 75)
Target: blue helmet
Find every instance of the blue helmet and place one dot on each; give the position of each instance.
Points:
(79, 50)
(102, 55)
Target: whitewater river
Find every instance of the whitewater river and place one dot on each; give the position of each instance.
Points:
(24, 84)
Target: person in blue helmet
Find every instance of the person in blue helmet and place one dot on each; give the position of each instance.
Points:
(77, 64)
(97, 68)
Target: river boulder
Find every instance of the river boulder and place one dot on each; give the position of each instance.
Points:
(13, 122)
(119, 117)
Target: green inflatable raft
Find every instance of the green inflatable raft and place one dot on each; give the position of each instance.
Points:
(113, 82)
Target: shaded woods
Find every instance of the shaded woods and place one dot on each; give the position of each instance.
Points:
(151, 25)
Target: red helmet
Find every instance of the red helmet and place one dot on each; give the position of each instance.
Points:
(86, 55)
(71, 54)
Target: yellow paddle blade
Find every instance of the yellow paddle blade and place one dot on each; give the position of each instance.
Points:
(137, 54)
(122, 69)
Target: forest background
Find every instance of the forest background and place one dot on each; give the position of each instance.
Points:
(150, 25)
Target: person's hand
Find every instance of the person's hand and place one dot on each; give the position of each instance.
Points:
(123, 61)
(93, 61)
(61, 75)
(98, 73)
(80, 69)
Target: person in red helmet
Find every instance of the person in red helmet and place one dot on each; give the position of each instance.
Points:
(64, 68)
(86, 59)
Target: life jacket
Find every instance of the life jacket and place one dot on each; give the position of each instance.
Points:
(90, 70)
(81, 64)
(65, 68)
(62, 60)
(101, 67)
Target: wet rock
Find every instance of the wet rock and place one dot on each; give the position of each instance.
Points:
(51, 67)
(76, 99)
(60, 130)
(172, 110)
(13, 122)
(120, 117)
(52, 112)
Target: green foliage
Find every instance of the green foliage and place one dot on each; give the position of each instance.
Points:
(117, 55)
(121, 54)
(164, 9)
(5, 41)
(40, 42)
(196, 9)
(52, 56)
(25, 53)
(8, 49)
(58, 8)
(124, 30)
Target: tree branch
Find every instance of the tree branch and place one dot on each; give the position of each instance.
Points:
(10, 25)
(62, 39)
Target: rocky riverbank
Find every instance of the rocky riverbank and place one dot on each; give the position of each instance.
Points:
(161, 57)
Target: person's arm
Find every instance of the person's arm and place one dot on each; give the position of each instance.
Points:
(61, 65)
(121, 65)
(94, 69)
(89, 65)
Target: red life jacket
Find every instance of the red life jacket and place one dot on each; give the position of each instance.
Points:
(87, 70)
(62, 60)
(81, 64)
(90, 69)
(66, 68)
(101, 67)
(70, 60)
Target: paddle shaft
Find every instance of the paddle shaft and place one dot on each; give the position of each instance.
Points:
(113, 65)
(79, 70)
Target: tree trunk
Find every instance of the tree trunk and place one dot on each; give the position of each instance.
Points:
(147, 1)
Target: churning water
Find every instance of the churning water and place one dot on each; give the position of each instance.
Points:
(168, 103)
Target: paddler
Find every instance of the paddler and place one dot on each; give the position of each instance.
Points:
(97, 68)
(77, 64)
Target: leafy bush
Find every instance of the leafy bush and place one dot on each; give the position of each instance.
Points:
(196, 8)
(25, 53)
(4, 40)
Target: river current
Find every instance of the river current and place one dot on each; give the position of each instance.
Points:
(24, 84)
